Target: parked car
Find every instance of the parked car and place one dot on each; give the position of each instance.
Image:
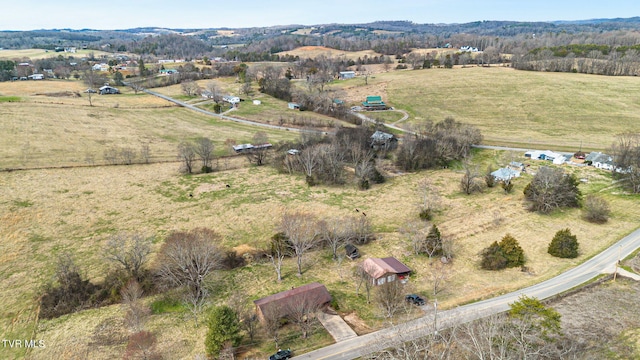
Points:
(281, 355)
(414, 299)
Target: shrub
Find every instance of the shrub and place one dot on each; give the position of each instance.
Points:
(596, 209)
(564, 245)
(505, 254)
(425, 214)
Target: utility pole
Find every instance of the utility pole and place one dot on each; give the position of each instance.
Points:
(435, 317)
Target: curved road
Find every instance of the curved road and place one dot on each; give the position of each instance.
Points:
(605, 262)
(241, 121)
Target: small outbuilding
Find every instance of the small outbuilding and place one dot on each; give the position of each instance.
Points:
(293, 106)
(351, 251)
(344, 75)
(283, 303)
(383, 270)
(108, 90)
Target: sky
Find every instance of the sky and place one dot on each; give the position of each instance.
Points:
(189, 14)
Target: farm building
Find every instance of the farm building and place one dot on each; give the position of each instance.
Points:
(108, 90)
(542, 155)
(600, 160)
(36, 77)
(374, 103)
(293, 106)
(283, 303)
(387, 269)
(505, 174)
(231, 99)
(383, 140)
(347, 75)
(242, 148)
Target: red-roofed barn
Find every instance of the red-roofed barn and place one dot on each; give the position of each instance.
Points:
(311, 295)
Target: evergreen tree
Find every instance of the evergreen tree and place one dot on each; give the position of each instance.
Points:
(512, 251)
(224, 328)
(433, 242)
(564, 245)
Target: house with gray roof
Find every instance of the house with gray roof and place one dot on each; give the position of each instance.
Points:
(505, 174)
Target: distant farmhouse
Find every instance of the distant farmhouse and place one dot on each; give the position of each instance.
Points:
(105, 90)
(344, 75)
(374, 103)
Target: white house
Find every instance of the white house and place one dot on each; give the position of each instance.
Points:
(600, 161)
(36, 77)
(505, 174)
(231, 99)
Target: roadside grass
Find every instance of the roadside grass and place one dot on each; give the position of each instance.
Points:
(10, 99)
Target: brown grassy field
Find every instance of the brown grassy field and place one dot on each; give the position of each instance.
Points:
(42, 53)
(46, 212)
(53, 130)
(315, 51)
(526, 109)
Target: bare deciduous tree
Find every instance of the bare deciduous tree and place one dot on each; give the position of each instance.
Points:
(390, 298)
(187, 155)
(363, 278)
(333, 234)
(136, 312)
(302, 312)
(439, 274)
(278, 249)
(190, 88)
(429, 198)
(131, 251)
(302, 231)
(259, 154)
(187, 258)
(203, 147)
(470, 182)
(145, 152)
(127, 155)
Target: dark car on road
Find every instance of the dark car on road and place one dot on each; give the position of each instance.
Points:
(281, 355)
(414, 299)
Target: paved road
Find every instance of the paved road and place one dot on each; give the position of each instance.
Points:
(366, 344)
(241, 121)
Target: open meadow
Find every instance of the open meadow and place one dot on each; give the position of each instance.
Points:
(13, 54)
(50, 123)
(47, 212)
(512, 108)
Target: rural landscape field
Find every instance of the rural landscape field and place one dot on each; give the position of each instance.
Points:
(67, 190)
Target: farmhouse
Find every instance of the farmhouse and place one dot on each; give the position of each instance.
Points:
(231, 99)
(505, 174)
(600, 160)
(347, 75)
(374, 103)
(387, 269)
(105, 90)
(383, 140)
(283, 303)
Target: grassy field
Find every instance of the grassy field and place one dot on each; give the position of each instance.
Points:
(316, 51)
(527, 109)
(49, 211)
(46, 212)
(42, 53)
(60, 128)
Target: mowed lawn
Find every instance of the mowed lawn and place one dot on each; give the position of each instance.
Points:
(47, 212)
(511, 107)
(59, 128)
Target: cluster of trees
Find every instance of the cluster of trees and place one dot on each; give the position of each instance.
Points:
(504, 254)
(551, 188)
(300, 232)
(437, 145)
(200, 149)
(626, 152)
(323, 159)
